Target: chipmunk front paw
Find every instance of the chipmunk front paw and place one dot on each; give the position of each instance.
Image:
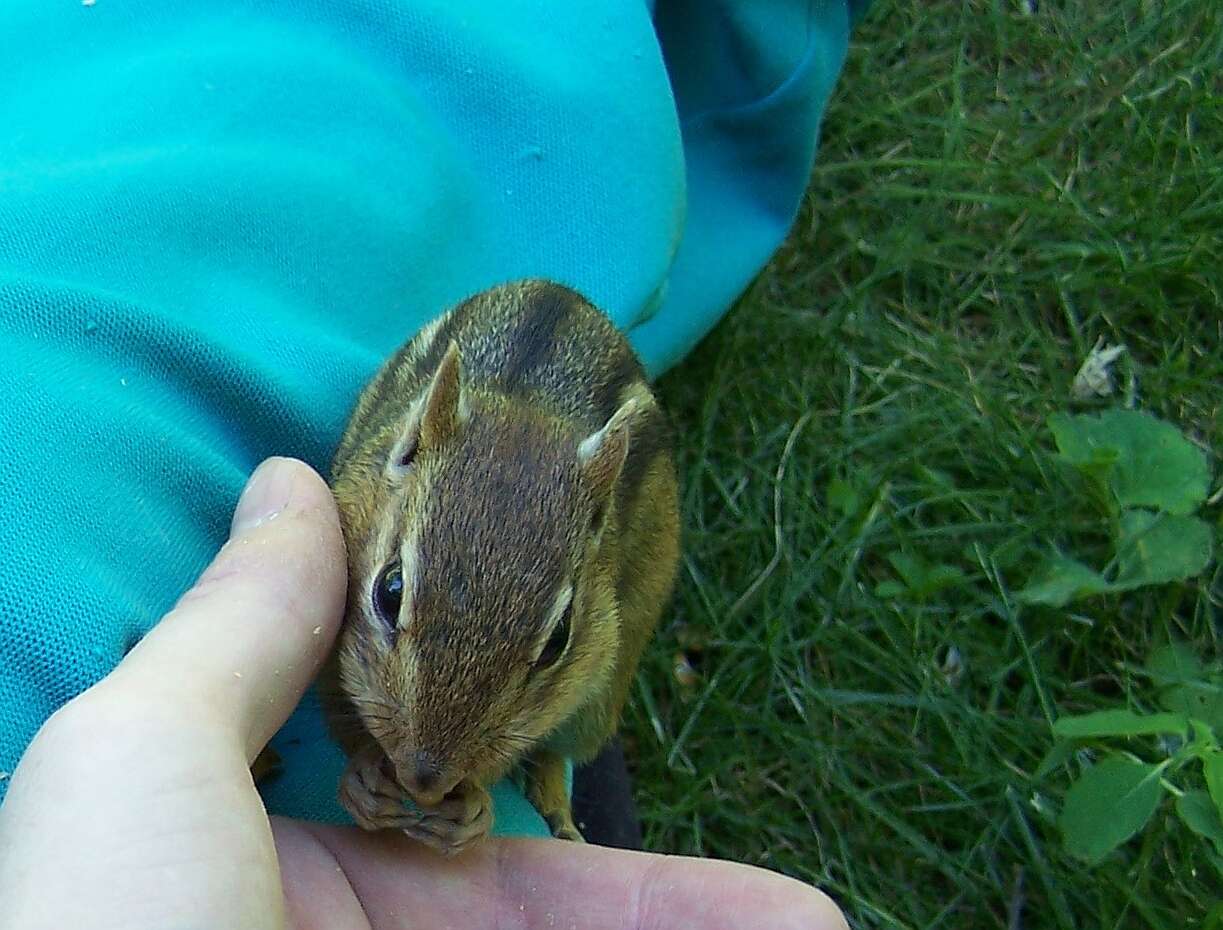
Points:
(461, 820)
(376, 801)
(372, 797)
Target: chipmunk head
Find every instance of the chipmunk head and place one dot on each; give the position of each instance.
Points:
(480, 612)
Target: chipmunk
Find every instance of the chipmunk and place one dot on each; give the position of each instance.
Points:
(509, 501)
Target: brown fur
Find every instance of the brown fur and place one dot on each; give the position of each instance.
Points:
(525, 416)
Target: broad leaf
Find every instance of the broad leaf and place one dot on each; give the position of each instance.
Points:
(1197, 700)
(919, 578)
(1089, 453)
(1111, 802)
(1213, 918)
(1174, 664)
(1198, 812)
(940, 577)
(890, 589)
(1187, 687)
(1212, 768)
(1157, 548)
(1061, 580)
(1119, 723)
(911, 568)
(844, 497)
(1146, 461)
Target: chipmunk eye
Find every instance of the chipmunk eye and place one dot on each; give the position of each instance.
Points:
(407, 453)
(388, 594)
(557, 641)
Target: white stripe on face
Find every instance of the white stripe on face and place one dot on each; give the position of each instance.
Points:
(409, 556)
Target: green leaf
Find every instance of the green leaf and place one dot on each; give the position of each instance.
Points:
(1200, 815)
(1061, 580)
(1159, 467)
(1056, 757)
(1214, 917)
(1202, 739)
(1197, 700)
(1186, 685)
(911, 568)
(921, 579)
(940, 577)
(1174, 664)
(1147, 462)
(1212, 768)
(890, 589)
(844, 497)
(1156, 548)
(1111, 802)
(1119, 723)
(1089, 454)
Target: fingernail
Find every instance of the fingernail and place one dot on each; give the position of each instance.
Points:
(266, 495)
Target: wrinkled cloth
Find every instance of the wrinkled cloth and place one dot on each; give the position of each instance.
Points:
(217, 219)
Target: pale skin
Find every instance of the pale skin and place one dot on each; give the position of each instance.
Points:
(134, 806)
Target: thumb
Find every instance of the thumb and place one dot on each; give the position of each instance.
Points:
(246, 640)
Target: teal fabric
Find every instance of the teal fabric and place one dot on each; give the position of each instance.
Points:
(217, 218)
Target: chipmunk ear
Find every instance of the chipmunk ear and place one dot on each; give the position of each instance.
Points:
(442, 403)
(601, 455)
(435, 417)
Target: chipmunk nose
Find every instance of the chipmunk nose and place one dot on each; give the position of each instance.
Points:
(422, 777)
(425, 770)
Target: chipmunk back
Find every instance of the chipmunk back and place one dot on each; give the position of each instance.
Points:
(509, 502)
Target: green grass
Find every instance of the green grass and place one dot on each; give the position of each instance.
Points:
(994, 191)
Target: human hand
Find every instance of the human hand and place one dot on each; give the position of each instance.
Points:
(134, 806)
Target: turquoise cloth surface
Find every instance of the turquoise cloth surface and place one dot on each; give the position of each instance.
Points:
(217, 218)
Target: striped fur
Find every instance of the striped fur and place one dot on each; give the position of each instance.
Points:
(496, 514)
